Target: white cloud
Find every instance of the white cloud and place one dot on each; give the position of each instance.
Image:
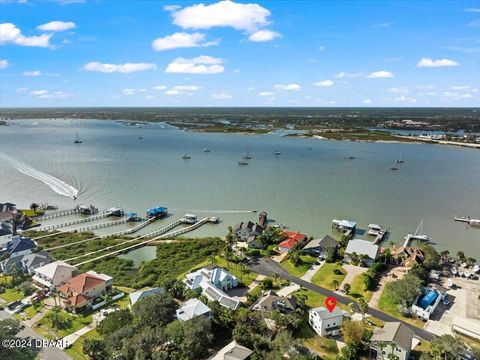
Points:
(342, 75)
(159, 87)
(22, 89)
(263, 35)
(221, 96)
(45, 94)
(321, 48)
(10, 34)
(266, 93)
(67, 2)
(57, 26)
(171, 7)
(457, 95)
(404, 98)
(288, 87)
(183, 90)
(247, 17)
(181, 40)
(474, 23)
(460, 87)
(367, 101)
(130, 91)
(4, 64)
(324, 83)
(472, 10)
(121, 68)
(199, 65)
(382, 25)
(380, 75)
(428, 62)
(148, 97)
(32, 73)
(396, 90)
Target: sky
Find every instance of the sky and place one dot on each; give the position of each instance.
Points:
(60, 53)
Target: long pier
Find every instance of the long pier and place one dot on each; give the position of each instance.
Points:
(56, 214)
(172, 234)
(74, 222)
(381, 235)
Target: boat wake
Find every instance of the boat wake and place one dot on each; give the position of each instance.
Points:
(57, 185)
(225, 211)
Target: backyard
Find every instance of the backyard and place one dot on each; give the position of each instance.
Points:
(358, 289)
(328, 273)
(306, 263)
(58, 324)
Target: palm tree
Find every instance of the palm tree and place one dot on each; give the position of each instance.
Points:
(34, 207)
(335, 284)
(381, 345)
(363, 306)
(275, 277)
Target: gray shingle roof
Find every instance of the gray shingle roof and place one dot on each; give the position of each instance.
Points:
(396, 332)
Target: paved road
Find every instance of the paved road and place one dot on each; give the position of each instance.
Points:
(266, 266)
(48, 353)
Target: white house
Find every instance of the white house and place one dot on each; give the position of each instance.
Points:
(54, 274)
(362, 247)
(326, 323)
(32, 261)
(6, 235)
(217, 276)
(142, 294)
(191, 309)
(394, 338)
(426, 303)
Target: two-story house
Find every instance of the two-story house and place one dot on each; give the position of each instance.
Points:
(54, 274)
(325, 322)
(81, 290)
(394, 338)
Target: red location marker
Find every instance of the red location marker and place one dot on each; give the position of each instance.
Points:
(330, 303)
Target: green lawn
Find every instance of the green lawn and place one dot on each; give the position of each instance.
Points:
(31, 311)
(11, 295)
(325, 276)
(76, 350)
(247, 277)
(313, 299)
(5, 279)
(326, 348)
(358, 289)
(75, 323)
(388, 305)
(30, 213)
(300, 270)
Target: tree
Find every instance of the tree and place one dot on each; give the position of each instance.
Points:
(331, 255)
(346, 288)
(348, 352)
(461, 256)
(275, 277)
(404, 291)
(9, 328)
(114, 321)
(471, 261)
(431, 258)
(446, 347)
(444, 254)
(34, 207)
(363, 306)
(267, 283)
(156, 309)
(353, 332)
(295, 259)
(94, 349)
(335, 284)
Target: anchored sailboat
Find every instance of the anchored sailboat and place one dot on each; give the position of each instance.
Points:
(277, 151)
(77, 139)
(247, 155)
(394, 167)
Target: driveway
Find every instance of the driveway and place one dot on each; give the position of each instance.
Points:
(352, 272)
(266, 266)
(392, 275)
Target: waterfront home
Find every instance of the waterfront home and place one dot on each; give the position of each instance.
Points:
(320, 247)
(193, 308)
(19, 245)
(81, 290)
(407, 255)
(214, 294)
(292, 239)
(217, 276)
(32, 261)
(270, 301)
(425, 304)
(142, 294)
(394, 338)
(233, 351)
(12, 265)
(362, 247)
(253, 242)
(54, 274)
(326, 323)
(248, 230)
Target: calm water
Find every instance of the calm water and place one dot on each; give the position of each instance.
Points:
(311, 183)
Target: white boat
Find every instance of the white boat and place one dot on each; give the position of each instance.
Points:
(400, 160)
(474, 222)
(77, 139)
(394, 167)
(247, 155)
(186, 157)
(206, 150)
(277, 151)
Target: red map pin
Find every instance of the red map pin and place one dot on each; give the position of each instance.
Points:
(330, 303)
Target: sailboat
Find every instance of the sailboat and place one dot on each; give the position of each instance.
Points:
(186, 157)
(394, 167)
(419, 235)
(247, 155)
(206, 150)
(243, 163)
(400, 160)
(77, 139)
(277, 151)
(351, 156)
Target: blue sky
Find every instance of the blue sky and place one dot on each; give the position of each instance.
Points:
(225, 53)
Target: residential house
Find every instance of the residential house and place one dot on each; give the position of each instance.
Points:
(54, 274)
(7, 207)
(81, 290)
(233, 351)
(19, 245)
(253, 242)
(270, 301)
(142, 294)
(262, 219)
(193, 308)
(213, 281)
(325, 322)
(12, 265)
(34, 260)
(292, 239)
(362, 247)
(320, 247)
(6, 233)
(394, 338)
(407, 255)
(425, 304)
(245, 229)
